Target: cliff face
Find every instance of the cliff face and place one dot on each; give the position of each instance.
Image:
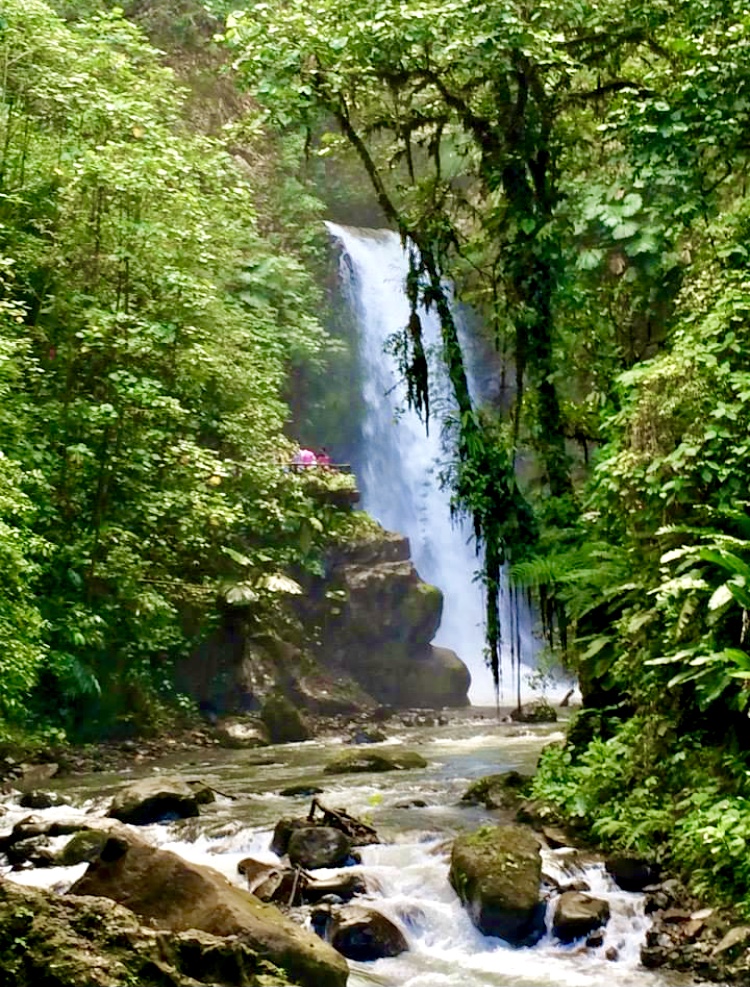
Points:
(360, 637)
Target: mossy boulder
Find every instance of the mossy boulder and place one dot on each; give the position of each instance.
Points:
(358, 761)
(283, 721)
(174, 894)
(64, 941)
(82, 847)
(496, 872)
(500, 791)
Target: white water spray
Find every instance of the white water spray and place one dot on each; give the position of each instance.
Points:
(399, 476)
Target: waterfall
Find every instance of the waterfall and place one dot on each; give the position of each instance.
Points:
(400, 462)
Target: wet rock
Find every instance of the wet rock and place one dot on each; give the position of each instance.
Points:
(35, 852)
(283, 721)
(282, 834)
(631, 873)
(355, 761)
(538, 711)
(274, 882)
(412, 804)
(38, 799)
(365, 934)
(153, 800)
(269, 882)
(577, 915)
(82, 847)
(177, 895)
(500, 791)
(301, 790)
(496, 873)
(93, 942)
(318, 846)
(344, 887)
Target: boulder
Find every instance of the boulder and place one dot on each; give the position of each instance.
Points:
(39, 799)
(35, 851)
(577, 915)
(318, 846)
(355, 761)
(632, 873)
(500, 791)
(538, 711)
(283, 721)
(364, 934)
(153, 800)
(177, 895)
(283, 832)
(61, 941)
(496, 872)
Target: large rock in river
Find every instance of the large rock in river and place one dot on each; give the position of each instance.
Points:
(578, 914)
(177, 895)
(496, 872)
(156, 799)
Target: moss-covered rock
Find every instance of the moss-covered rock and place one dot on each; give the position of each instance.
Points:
(496, 872)
(61, 941)
(500, 791)
(356, 761)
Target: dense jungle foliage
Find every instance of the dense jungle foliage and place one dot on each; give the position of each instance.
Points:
(150, 317)
(579, 172)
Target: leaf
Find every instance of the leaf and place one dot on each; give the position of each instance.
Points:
(720, 597)
(277, 582)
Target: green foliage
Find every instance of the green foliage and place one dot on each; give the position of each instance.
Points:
(147, 328)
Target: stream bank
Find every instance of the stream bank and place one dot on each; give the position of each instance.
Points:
(417, 812)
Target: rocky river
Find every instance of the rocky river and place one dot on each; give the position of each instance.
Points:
(416, 814)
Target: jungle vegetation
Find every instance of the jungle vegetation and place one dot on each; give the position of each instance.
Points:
(576, 171)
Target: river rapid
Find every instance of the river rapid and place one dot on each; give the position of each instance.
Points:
(407, 875)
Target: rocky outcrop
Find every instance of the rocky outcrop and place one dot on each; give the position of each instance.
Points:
(362, 638)
(380, 628)
(177, 895)
(496, 872)
(94, 942)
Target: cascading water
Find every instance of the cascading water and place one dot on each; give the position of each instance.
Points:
(400, 461)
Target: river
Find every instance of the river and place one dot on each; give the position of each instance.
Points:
(407, 872)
